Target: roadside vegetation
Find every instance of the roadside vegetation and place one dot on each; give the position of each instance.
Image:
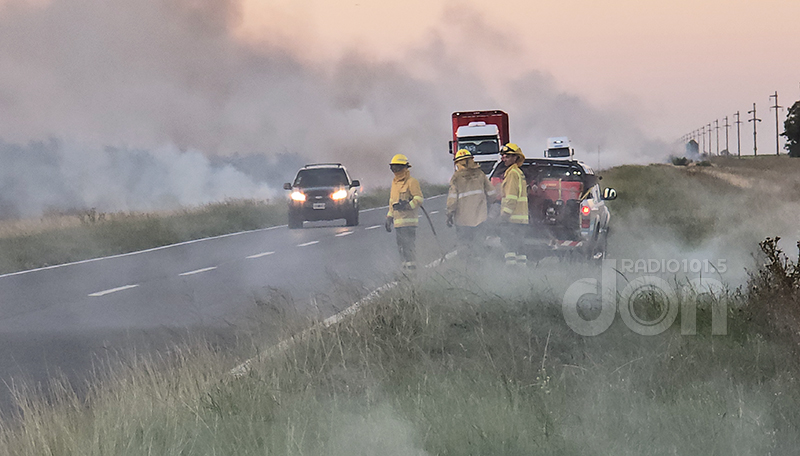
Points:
(59, 239)
(475, 360)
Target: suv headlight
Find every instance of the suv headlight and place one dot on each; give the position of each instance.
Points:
(298, 196)
(340, 194)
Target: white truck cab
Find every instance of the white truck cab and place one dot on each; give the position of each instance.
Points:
(559, 148)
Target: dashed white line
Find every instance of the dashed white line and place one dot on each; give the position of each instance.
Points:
(434, 212)
(346, 233)
(112, 290)
(259, 255)
(373, 227)
(198, 271)
(308, 243)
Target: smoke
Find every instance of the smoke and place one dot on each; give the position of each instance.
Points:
(51, 176)
(157, 102)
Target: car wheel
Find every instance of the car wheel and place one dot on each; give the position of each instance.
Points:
(295, 221)
(352, 219)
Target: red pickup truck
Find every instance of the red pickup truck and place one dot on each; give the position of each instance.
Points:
(566, 209)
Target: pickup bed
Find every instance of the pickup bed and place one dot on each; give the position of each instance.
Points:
(567, 213)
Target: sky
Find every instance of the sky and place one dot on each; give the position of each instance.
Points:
(275, 83)
(679, 64)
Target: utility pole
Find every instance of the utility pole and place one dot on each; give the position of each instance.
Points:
(709, 138)
(727, 127)
(738, 135)
(716, 127)
(703, 132)
(777, 136)
(755, 120)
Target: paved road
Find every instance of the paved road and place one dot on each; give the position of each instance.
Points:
(62, 319)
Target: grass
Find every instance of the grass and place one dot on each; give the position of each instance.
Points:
(63, 239)
(456, 363)
(469, 360)
(120, 233)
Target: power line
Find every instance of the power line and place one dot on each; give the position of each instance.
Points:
(703, 132)
(738, 135)
(727, 127)
(755, 120)
(777, 136)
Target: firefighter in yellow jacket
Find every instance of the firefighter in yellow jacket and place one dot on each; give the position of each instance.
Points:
(514, 205)
(404, 199)
(467, 201)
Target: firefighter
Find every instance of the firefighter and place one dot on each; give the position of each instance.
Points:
(513, 206)
(404, 199)
(467, 201)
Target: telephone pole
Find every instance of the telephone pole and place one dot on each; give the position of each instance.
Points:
(703, 132)
(738, 135)
(727, 127)
(716, 128)
(777, 135)
(755, 120)
(709, 138)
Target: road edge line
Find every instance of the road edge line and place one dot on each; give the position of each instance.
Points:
(243, 368)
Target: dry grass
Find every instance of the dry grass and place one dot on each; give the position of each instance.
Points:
(452, 364)
(464, 360)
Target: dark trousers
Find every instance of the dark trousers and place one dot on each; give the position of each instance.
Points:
(406, 244)
(470, 239)
(513, 237)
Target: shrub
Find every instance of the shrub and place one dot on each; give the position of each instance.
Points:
(775, 290)
(680, 161)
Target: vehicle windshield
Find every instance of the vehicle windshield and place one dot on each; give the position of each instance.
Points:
(558, 153)
(566, 173)
(479, 146)
(324, 177)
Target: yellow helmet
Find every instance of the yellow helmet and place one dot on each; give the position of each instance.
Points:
(512, 149)
(462, 154)
(400, 159)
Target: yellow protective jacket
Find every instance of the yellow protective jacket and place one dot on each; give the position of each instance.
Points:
(515, 195)
(405, 188)
(469, 191)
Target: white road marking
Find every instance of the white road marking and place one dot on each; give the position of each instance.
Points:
(112, 290)
(198, 271)
(308, 243)
(346, 233)
(434, 212)
(373, 227)
(154, 249)
(138, 252)
(244, 367)
(259, 255)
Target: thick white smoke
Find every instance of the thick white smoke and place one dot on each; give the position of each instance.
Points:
(166, 82)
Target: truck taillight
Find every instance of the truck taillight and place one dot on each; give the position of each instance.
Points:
(585, 211)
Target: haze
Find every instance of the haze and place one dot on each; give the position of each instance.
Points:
(358, 81)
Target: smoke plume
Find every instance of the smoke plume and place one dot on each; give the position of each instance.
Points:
(157, 102)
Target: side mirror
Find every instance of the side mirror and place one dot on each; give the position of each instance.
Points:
(355, 183)
(609, 194)
(287, 186)
(451, 147)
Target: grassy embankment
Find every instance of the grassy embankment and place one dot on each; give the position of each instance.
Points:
(62, 239)
(469, 361)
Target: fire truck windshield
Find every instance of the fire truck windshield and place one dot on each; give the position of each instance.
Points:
(479, 146)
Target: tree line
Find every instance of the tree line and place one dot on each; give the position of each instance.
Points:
(791, 130)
